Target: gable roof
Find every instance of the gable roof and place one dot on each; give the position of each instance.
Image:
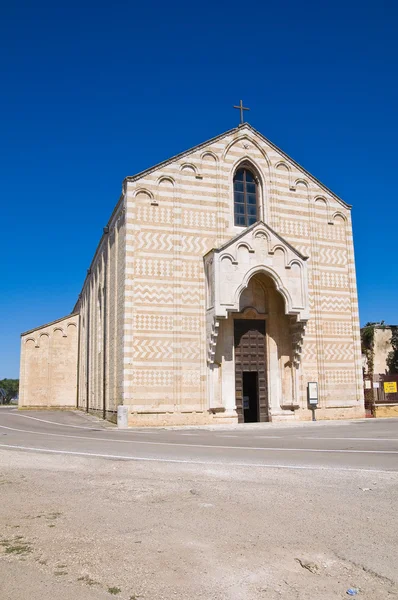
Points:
(247, 229)
(229, 132)
(72, 314)
(242, 127)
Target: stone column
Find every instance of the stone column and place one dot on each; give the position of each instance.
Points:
(227, 365)
(274, 375)
(122, 416)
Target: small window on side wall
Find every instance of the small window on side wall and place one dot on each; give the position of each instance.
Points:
(245, 198)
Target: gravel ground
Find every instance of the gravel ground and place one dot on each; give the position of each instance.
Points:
(83, 528)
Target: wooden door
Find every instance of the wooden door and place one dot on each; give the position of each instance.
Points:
(250, 356)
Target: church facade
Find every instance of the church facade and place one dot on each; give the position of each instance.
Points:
(223, 284)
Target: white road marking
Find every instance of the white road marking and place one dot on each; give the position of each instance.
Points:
(105, 430)
(195, 462)
(55, 423)
(133, 430)
(266, 437)
(348, 439)
(220, 447)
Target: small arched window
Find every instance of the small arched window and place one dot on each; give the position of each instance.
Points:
(245, 198)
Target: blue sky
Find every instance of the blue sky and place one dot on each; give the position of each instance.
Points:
(92, 92)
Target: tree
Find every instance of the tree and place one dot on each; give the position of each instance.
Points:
(367, 344)
(392, 358)
(10, 387)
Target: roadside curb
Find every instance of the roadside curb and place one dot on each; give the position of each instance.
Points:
(258, 426)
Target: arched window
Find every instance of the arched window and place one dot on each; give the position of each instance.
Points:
(245, 198)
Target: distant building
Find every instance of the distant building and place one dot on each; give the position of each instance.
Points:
(381, 349)
(381, 385)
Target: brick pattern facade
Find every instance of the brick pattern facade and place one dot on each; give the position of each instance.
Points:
(175, 214)
(148, 273)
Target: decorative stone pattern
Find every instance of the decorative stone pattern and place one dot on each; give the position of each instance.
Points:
(258, 249)
(148, 337)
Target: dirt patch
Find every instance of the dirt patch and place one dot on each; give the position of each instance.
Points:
(155, 532)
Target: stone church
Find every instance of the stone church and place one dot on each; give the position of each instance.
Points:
(223, 284)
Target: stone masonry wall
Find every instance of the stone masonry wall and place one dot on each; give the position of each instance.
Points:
(382, 347)
(48, 372)
(101, 305)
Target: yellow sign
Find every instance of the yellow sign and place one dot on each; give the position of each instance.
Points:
(390, 387)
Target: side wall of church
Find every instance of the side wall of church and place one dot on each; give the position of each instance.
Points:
(175, 214)
(48, 372)
(101, 307)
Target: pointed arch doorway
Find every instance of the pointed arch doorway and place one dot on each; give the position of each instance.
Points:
(264, 374)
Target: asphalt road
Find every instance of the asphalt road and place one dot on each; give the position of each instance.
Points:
(345, 445)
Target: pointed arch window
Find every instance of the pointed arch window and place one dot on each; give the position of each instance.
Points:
(245, 198)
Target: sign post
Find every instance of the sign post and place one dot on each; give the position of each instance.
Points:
(390, 387)
(312, 393)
